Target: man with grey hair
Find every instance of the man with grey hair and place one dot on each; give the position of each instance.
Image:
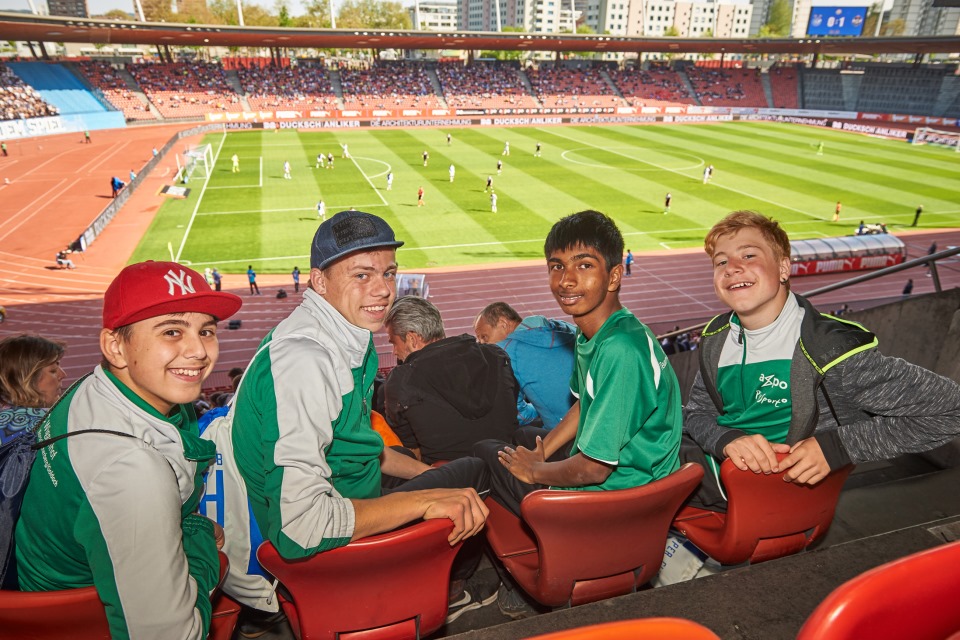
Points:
(448, 393)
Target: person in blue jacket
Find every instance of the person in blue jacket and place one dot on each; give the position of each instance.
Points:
(541, 354)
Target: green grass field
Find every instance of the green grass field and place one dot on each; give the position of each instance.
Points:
(256, 217)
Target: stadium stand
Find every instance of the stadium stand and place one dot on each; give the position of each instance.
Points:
(483, 85)
(784, 85)
(727, 87)
(19, 100)
(387, 85)
(571, 88)
(103, 76)
(297, 88)
(186, 89)
(657, 85)
(822, 89)
(57, 86)
(893, 88)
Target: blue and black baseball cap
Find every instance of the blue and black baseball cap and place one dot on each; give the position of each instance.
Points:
(347, 232)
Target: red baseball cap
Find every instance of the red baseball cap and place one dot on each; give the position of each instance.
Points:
(149, 289)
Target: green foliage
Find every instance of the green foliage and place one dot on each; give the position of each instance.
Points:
(671, 32)
(778, 19)
(373, 14)
(623, 171)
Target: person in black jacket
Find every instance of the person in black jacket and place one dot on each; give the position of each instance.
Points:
(448, 393)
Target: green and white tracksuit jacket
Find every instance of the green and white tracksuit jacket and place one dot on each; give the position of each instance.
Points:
(837, 387)
(119, 513)
(302, 442)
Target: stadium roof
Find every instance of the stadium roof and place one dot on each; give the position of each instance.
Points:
(28, 27)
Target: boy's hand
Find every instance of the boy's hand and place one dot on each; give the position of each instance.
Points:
(755, 453)
(522, 462)
(806, 463)
(463, 506)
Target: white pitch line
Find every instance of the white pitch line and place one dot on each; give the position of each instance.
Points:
(743, 193)
(193, 216)
(365, 177)
(330, 207)
(664, 245)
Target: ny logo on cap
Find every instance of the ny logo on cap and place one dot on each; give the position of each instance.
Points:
(183, 281)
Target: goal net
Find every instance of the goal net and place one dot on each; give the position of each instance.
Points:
(925, 135)
(197, 162)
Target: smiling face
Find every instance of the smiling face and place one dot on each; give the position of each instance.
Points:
(164, 359)
(47, 383)
(748, 277)
(583, 287)
(361, 286)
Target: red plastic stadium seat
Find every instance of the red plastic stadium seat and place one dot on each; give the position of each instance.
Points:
(393, 585)
(766, 517)
(651, 628)
(913, 597)
(574, 547)
(73, 613)
(78, 614)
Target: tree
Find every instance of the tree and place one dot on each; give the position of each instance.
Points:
(671, 31)
(708, 33)
(115, 14)
(778, 20)
(283, 14)
(316, 15)
(373, 14)
(893, 28)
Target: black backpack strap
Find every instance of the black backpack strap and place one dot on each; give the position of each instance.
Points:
(49, 441)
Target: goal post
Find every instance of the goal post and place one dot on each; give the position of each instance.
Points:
(926, 135)
(196, 161)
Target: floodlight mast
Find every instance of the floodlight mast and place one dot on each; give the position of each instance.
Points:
(333, 19)
(139, 8)
(240, 12)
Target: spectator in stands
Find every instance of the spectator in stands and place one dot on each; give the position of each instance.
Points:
(118, 510)
(312, 382)
(30, 377)
(446, 394)
(19, 100)
(615, 444)
(541, 354)
(851, 404)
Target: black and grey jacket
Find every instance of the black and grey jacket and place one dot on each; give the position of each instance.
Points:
(859, 404)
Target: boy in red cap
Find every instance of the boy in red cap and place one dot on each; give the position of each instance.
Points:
(116, 512)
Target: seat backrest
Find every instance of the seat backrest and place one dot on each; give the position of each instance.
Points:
(675, 628)
(73, 613)
(768, 517)
(914, 597)
(400, 578)
(591, 535)
(77, 614)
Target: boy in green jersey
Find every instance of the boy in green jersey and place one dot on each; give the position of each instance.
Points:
(777, 376)
(624, 427)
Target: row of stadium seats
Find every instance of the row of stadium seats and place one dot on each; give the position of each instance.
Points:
(191, 90)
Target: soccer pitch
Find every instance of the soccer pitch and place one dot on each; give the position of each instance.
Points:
(257, 217)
